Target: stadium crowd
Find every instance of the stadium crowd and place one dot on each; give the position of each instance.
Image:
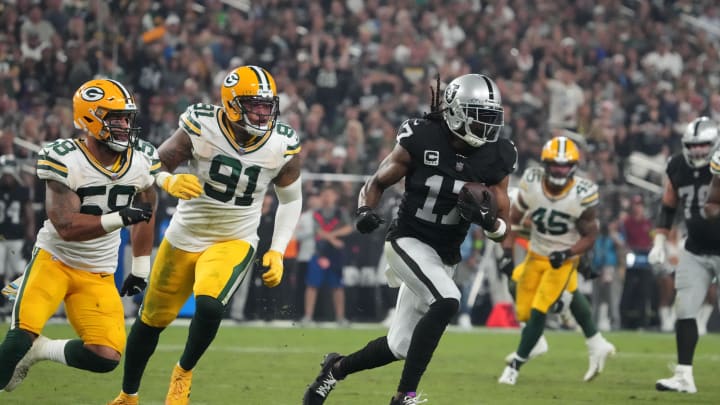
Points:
(621, 77)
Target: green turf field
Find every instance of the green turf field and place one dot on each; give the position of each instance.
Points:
(250, 365)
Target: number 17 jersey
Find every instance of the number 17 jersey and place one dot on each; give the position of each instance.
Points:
(235, 179)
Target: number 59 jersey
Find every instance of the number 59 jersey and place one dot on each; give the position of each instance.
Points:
(235, 179)
(101, 191)
(554, 217)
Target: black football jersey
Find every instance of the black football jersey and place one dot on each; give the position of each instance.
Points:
(11, 211)
(692, 186)
(428, 208)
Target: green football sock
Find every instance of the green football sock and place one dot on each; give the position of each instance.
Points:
(580, 308)
(531, 333)
(17, 342)
(141, 344)
(78, 356)
(203, 328)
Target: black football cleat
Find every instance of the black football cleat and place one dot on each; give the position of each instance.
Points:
(318, 391)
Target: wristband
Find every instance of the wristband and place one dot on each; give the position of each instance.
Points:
(111, 222)
(141, 266)
(500, 232)
(160, 179)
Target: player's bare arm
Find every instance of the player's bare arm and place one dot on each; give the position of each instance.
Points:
(289, 173)
(29, 220)
(393, 168)
(712, 205)
(175, 150)
(500, 190)
(142, 233)
(63, 210)
(587, 226)
(515, 218)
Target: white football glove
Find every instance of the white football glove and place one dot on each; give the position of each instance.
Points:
(658, 253)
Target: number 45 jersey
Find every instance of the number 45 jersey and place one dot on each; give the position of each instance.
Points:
(235, 179)
(101, 191)
(553, 217)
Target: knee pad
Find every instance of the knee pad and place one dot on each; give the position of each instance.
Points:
(445, 307)
(209, 308)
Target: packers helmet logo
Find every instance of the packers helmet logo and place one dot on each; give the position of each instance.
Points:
(92, 93)
(450, 92)
(231, 80)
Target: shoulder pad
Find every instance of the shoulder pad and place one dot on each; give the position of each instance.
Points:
(587, 192)
(291, 138)
(150, 153)
(674, 164)
(715, 163)
(508, 154)
(51, 160)
(190, 120)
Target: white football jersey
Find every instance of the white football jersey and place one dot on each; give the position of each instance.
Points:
(715, 163)
(101, 191)
(553, 217)
(235, 179)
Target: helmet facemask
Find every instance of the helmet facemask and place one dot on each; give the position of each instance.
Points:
(257, 114)
(559, 173)
(475, 124)
(118, 128)
(699, 141)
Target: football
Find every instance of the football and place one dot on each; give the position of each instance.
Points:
(478, 204)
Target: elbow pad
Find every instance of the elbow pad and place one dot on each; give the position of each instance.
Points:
(666, 217)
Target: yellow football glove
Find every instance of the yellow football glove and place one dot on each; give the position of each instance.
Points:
(274, 260)
(183, 186)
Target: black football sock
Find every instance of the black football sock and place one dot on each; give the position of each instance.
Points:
(425, 339)
(203, 328)
(530, 334)
(141, 343)
(17, 342)
(78, 356)
(580, 309)
(686, 338)
(375, 354)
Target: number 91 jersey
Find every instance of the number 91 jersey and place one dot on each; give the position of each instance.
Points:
(235, 179)
(101, 191)
(554, 217)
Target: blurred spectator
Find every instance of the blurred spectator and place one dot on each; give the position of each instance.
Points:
(326, 265)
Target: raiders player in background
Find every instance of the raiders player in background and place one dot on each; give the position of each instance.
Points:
(17, 223)
(686, 188)
(436, 155)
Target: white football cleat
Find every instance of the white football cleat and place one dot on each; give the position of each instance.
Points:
(682, 381)
(509, 376)
(22, 368)
(599, 350)
(540, 348)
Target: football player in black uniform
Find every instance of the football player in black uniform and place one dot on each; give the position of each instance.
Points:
(17, 220)
(687, 188)
(436, 155)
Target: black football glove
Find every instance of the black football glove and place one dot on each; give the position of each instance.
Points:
(558, 257)
(483, 213)
(366, 220)
(506, 264)
(135, 213)
(132, 285)
(585, 267)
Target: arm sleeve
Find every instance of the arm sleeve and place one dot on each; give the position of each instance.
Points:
(287, 214)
